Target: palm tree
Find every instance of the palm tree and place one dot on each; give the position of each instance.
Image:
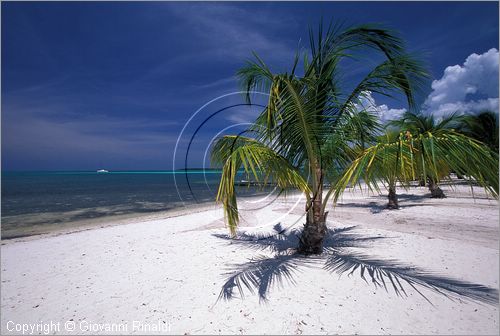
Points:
(482, 127)
(392, 168)
(430, 152)
(303, 136)
(421, 124)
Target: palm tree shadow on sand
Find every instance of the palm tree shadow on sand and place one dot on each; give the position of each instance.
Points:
(262, 272)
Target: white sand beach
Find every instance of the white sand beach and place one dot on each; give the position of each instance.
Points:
(165, 275)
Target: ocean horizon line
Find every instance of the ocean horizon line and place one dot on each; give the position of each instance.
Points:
(69, 171)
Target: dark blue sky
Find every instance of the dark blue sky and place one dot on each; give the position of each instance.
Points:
(110, 84)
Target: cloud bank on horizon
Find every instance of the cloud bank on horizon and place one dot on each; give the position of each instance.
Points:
(464, 89)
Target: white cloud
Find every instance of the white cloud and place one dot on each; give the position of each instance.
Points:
(385, 114)
(466, 88)
(470, 107)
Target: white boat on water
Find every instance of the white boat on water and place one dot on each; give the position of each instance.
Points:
(103, 171)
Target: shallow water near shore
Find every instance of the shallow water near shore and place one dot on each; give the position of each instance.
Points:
(40, 202)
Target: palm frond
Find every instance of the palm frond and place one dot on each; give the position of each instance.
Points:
(258, 161)
(482, 127)
(419, 123)
(254, 76)
(382, 162)
(353, 133)
(403, 73)
(468, 157)
(303, 124)
(452, 151)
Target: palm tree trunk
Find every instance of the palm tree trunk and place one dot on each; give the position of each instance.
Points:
(314, 232)
(436, 192)
(313, 235)
(393, 198)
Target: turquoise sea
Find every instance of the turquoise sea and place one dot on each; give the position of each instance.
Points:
(39, 201)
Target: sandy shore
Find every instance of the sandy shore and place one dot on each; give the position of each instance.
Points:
(166, 275)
